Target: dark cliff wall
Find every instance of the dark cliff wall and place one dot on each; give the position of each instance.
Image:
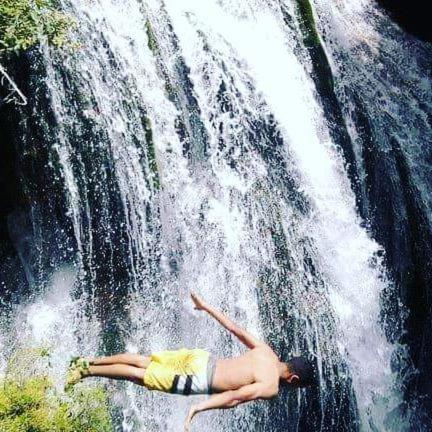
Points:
(399, 222)
(31, 203)
(12, 275)
(411, 16)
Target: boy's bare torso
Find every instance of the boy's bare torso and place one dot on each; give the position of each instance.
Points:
(256, 365)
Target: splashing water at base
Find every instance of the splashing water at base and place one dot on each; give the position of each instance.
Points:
(53, 322)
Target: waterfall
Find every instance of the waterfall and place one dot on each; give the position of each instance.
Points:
(187, 148)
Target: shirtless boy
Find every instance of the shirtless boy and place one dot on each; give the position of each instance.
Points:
(257, 374)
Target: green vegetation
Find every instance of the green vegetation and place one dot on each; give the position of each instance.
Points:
(151, 37)
(321, 67)
(310, 34)
(29, 402)
(153, 45)
(151, 154)
(25, 23)
(35, 406)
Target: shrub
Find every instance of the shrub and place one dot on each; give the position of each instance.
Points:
(25, 23)
(32, 404)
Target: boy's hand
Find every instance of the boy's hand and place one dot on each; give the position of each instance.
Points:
(189, 418)
(198, 302)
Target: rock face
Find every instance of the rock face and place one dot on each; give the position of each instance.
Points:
(400, 223)
(390, 199)
(36, 228)
(12, 277)
(410, 16)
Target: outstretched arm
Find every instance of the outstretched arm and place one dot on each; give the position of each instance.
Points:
(244, 336)
(230, 399)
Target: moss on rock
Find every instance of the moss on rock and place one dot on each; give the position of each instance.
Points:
(151, 153)
(151, 38)
(310, 34)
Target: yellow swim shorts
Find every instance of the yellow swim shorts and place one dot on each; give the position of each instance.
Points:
(183, 372)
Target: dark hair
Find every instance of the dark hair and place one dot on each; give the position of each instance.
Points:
(304, 369)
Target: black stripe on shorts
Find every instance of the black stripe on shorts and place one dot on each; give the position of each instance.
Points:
(175, 383)
(188, 386)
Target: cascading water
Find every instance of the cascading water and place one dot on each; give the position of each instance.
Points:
(191, 152)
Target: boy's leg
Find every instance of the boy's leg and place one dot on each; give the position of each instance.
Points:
(117, 371)
(136, 360)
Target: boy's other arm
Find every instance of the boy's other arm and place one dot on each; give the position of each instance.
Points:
(245, 337)
(231, 399)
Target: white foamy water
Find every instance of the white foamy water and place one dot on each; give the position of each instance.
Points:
(342, 246)
(54, 322)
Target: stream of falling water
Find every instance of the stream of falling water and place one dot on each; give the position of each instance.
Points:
(203, 116)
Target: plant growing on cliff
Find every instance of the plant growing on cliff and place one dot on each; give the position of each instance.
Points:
(26, 23)
(29, 402)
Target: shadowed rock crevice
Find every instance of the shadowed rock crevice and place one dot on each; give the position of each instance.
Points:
(411, 16)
